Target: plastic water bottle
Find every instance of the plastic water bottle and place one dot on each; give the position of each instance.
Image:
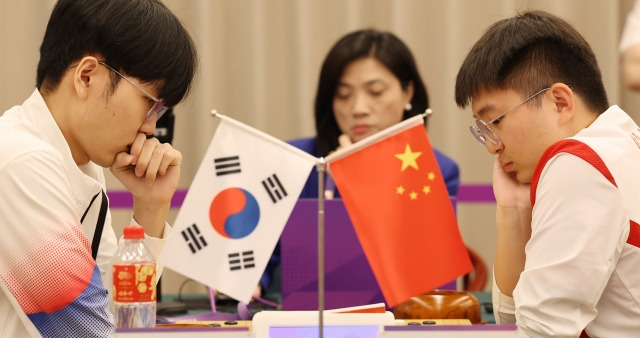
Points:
(134, 282)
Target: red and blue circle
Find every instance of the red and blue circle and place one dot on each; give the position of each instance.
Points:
(234, 213)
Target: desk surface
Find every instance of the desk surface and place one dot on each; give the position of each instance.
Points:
(248, 323)
(195, 304)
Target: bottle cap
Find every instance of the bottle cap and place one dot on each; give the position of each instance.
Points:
(133, 232)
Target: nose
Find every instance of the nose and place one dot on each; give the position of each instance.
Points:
(493, 148)
(148, 126)
(361, 104)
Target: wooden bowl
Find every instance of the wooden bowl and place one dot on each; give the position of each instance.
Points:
(441, 304)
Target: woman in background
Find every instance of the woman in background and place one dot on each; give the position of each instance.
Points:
(369, 81)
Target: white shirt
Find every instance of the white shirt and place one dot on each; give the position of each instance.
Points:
(45, 254)
(580, 272)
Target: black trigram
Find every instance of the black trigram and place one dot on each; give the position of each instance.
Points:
(274, 188)
(241, 260)
(227, 165)
(193, 238)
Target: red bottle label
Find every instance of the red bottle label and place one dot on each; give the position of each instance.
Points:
(134, 283)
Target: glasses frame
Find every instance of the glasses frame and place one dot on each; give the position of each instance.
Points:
(482, 136)
(158, 109)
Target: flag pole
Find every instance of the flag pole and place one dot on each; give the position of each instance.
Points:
(321, 170)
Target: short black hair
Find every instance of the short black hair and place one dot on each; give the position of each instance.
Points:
(530, 52)
(383, 46)
(140, 38)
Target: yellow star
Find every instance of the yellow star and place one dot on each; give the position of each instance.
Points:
(400, 190)
(426, 190)
(431, 176)
(413, 195)
(409, 158)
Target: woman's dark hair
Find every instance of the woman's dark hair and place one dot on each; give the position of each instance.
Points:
(140, 38)
(383, 46)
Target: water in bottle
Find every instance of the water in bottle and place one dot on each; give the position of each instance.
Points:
(134, 282)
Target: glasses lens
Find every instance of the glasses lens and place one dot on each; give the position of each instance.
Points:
(478, 135)
(158, 110)
(487, 134)
(162, 111)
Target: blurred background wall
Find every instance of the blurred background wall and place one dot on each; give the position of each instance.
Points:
(260, 62)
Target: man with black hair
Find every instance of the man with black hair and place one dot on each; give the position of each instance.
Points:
(108, 70)
(565, 179)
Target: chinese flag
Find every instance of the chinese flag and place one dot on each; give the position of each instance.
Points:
(398, 203)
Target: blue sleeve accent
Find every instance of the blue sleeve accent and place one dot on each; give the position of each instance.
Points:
(308, 144)
(450, 172)
(87, 316)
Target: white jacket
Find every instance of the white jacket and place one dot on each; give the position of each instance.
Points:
(50, 285)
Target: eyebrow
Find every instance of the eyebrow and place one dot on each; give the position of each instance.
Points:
(368, 83)
(484, 110)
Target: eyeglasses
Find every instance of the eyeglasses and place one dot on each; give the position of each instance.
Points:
(481, 130)
(158, 109)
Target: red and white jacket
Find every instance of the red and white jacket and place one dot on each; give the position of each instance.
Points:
(582, 270)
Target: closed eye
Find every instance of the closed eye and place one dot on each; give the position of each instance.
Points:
(151, 102)
(343, 92)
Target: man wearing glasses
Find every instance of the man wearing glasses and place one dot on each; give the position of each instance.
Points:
(103, 80)
(566, 180)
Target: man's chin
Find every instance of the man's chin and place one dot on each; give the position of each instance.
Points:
(523, 178)
(105, 163)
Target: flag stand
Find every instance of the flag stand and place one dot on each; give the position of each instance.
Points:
(321, 166)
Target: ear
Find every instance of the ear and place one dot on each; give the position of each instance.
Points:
(564, 101)
(409, 91)
(84, 76)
